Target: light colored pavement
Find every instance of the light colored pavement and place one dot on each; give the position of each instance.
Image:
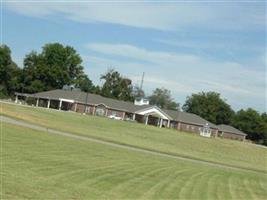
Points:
(121, 146)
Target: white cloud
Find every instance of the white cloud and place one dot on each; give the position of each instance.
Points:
(183, 74)
(160, 15)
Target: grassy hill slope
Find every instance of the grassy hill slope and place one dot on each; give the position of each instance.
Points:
(165, 140)
(37, 165)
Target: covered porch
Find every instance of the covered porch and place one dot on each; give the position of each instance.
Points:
(153, 116)
(45, 102)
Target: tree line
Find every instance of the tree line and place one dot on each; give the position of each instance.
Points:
(58, 65)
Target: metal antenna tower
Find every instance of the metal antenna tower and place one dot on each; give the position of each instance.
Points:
(142, 81)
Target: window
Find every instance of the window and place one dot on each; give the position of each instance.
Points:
(114, 113)
(100, 111)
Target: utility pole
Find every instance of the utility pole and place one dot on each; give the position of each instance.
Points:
(86, 99)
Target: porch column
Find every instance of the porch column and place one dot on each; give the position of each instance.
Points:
(75, 107)
(161, 121)
(48, 103)
(158, 122)
(134, 116)
(60, 104)
(37, 102)
(169, 121)
(222, 134)
(216, 133)
(106, 114)
(146, 119)
(179, 126)
(123, 115)
(94, 110)
(16, 100)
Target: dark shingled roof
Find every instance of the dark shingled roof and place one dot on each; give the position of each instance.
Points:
(188, 118)
(94, 99)
(230, 129)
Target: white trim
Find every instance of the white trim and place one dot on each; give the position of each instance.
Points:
(66, 100)
(153, 110)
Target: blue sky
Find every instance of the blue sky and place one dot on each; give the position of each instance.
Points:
(186, 47)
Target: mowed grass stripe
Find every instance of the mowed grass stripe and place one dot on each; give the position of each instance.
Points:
(159, 188)
(223, 151)
(174, 186)
(136, 178)
(200, 184)
(134, 189)
(42, 166)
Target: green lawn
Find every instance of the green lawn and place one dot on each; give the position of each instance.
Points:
(218, 150)
(37, 165)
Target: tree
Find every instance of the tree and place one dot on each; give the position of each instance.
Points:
(161, 97)
(9, 72)
(264, 117)
(210, 106)
(54, 67)
(252, 123)
(138, 93)
(116, 86)
(85, 84)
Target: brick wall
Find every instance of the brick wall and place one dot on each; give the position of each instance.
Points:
(194, 128)
(115, 112)
(80, 108)
(231, 136)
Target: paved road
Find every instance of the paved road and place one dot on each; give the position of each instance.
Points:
(121, 146)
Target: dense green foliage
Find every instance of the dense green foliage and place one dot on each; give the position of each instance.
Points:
(43, 166)
(9, 72)
(116, 86)
(252, 123)
(210, 106)
(54, 67)
(224, 151)
(161, 97)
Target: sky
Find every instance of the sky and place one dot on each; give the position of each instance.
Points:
(186, 47)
